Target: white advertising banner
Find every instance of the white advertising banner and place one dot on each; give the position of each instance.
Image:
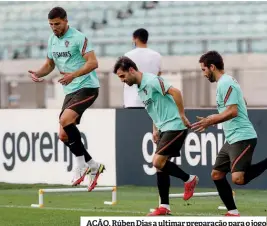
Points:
(32, 153)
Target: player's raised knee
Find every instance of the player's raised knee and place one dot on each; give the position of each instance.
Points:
(63, 137)
(157, 164)
(217, 175)
(159, 161)
(64, 121)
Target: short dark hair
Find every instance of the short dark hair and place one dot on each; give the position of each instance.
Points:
(124, 63)
(212, 57)
(57, 12)
(141, 34)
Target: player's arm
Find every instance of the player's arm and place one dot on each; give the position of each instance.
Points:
(91, 64)
(161, 86)
(46, 69)
(178, 98)
(230, 112)
(230, 97)
(88, 54)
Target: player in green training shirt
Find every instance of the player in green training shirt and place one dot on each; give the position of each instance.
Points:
(70, 51)
(164, 105)
(241, 138)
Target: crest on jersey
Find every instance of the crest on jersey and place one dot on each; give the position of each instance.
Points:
(67, 43)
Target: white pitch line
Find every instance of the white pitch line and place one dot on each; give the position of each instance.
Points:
(73, 209)
(101, 210)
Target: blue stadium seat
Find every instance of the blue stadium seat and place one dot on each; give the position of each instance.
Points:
(168, 20)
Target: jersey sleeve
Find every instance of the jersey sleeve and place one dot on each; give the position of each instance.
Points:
(229, 94)
(84, 45)
(160, 85)
(49, 46)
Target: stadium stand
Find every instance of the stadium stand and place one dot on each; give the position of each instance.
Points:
(176, 28)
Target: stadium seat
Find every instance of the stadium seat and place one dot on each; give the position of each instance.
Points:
(166, 20)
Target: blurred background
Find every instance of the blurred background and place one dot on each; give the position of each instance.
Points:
(181, 31)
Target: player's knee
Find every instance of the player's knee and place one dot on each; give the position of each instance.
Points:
(217, 175)
(238, 179)
(157, 164)
(159, 161)
(63, 137)
(64, 121)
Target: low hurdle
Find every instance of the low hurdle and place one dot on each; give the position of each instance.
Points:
(41, 193)
(198, 194)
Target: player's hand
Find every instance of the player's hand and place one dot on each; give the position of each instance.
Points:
(202, 124)
(155, 136)
(186, 121)
(67, 79)
(34, 76)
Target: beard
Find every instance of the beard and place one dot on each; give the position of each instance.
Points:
(211, 77)
(131, 80)
(129, 84)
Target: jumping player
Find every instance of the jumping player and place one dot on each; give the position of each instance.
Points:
(70, 51)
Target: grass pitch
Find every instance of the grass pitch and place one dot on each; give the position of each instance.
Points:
(67, 208)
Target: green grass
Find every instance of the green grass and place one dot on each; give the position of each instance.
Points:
(66, 208)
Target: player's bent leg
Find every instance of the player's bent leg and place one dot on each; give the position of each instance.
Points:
(242, 170)
(241, 157)
(159, 161)
(162, 163)
(81, 170)
(217, 175)
(74, 136)
(68, 117)
(63, 136)
(71, 117)
(255, 170)
(170, 144)
(73, 141)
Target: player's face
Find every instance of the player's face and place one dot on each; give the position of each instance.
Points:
(208, 72)
(126, 77)
(58, 26)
